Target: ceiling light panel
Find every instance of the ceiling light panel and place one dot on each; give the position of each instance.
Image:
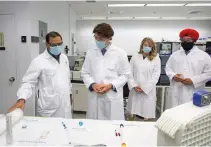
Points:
(93, 18)
(126, 5)
(199, 4)
(164, 5)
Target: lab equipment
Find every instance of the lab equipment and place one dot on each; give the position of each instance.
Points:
(67, 133)
(79, 63)
(185, 125)
(71, 60)
(24, 126)
(9, 137)
(16, 116)
(201, 98)
(166, 48)
(122, 136)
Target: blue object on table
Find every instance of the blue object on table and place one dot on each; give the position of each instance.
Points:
(201, 98)
(80, 123)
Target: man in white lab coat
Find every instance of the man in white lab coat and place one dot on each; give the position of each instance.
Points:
(188, 69)
(50, 74)
(105, 71)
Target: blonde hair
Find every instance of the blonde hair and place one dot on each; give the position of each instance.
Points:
(153, 53)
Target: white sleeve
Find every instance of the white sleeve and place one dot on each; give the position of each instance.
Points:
(168, 69)
(86, 72)
(201, 79)
(124, 73)
(131, 81)
(147, 87)
(29, 81)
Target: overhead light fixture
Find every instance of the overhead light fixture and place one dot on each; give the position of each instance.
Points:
(119, 18)
(200, 18)
(93, 18)
(165, 5)
(126, 5)
(146, 18)
(198, 4)
(173, 18)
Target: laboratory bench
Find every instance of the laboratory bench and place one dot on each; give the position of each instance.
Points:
(38, 131)
(80, 97)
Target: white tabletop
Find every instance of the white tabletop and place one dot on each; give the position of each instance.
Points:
(49, 131)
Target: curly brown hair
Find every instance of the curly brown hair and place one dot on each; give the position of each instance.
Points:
(104, 30)
(153, 53)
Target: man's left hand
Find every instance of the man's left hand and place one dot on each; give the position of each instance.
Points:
(106, 88)
(187, 81)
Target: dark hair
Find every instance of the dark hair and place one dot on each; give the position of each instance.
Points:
(52, 35)
(104, 30)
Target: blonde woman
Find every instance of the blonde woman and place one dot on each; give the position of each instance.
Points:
(146, 69)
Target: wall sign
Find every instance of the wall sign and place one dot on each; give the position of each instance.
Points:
(1, 39)
(2, 47)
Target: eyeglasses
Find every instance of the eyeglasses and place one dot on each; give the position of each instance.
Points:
(100, 38)
(57, 44)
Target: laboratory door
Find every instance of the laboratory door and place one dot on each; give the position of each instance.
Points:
(43, 30)
(8, 64)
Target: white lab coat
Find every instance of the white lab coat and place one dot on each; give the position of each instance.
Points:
(113, 68)
(196, 65)
(145, 74)
(52, 79)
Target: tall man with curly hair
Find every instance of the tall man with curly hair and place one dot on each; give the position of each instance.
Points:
(105, 71)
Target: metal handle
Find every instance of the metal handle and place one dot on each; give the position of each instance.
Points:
(12, 79)
(76, 91)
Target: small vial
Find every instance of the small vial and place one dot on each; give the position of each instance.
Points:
(123, 144)
(80, 123)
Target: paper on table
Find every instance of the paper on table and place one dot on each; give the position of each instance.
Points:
(17, 114)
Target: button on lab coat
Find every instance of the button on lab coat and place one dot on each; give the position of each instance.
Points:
(52, 79)
(196, 65)
(145, 74)
(113, 68)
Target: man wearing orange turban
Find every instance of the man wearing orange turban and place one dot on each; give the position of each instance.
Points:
(188, 69)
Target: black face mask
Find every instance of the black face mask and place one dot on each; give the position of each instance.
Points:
(187, 45)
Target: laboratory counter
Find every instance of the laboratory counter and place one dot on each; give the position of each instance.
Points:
(72, 132)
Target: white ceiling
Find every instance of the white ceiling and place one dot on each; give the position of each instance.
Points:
(100, 9)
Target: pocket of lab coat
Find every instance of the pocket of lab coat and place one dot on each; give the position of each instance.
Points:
(198, 64)
(111, 95)
(49, 72)
(49, 77)
(112, 71)
(48, 102)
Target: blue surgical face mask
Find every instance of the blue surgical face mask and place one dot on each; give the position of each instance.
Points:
(100, 44)
(147, 49)
(56, 50)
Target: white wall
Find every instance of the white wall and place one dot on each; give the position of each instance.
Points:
(27, 15)
(72, 28)
(20, 10)
(55, 14)
(128, 34)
